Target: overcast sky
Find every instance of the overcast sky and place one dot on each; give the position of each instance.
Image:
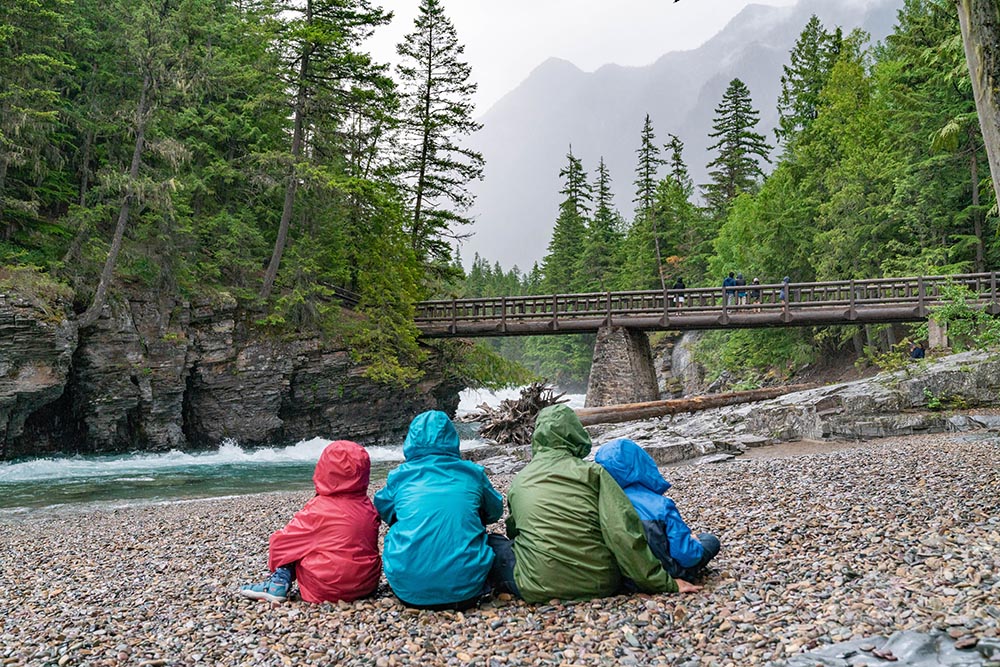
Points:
(506, 39)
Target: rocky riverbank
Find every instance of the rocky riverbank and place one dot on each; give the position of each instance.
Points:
(894, 534)
(156, 374)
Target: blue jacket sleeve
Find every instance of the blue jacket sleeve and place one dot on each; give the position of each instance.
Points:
(684, 547)
(385, 503)
(491, 508)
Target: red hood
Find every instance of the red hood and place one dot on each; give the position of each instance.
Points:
(343, 467)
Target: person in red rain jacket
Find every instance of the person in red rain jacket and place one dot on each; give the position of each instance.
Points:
(331, 545)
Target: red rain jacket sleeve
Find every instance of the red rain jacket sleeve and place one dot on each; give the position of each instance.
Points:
(295, 540)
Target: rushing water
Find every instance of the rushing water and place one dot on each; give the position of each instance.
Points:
(229, 470)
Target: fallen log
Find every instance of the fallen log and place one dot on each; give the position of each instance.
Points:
(610, 414)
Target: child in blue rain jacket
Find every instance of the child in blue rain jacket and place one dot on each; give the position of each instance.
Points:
(437, 506)
(683, 555)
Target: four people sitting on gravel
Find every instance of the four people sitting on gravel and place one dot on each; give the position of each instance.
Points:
(572, 533)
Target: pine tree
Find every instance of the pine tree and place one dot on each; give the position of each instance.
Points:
(31, 59)
(645, 190)
(601, 248)
(324, 68)
(736, 169)
(678, 168)
(437, 114)
(562, 264)
(811, 60)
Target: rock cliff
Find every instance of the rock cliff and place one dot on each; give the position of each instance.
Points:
(158, 374)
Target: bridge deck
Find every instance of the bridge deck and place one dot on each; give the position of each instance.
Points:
(881, 300)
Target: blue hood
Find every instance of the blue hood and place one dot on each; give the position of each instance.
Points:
(629, 464)
(431, 434)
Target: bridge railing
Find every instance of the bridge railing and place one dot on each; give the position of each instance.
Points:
(922, 292)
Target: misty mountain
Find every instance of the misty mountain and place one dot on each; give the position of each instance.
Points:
(527, 133)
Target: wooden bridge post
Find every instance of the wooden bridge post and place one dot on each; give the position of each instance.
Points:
(454, 315)
(666, 315)
(994, 307)
(555, 311)
(921, 297)
(503, 314)
(607, 319)
(852, 313)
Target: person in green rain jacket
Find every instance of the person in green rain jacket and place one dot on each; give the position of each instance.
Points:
(437, 507)
(575, 534)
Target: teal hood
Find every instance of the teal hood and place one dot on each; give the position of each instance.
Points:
(431, 434)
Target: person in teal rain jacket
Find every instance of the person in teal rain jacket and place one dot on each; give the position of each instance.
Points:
(437, 506)
(683, 555)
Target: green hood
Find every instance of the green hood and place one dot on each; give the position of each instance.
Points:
(558, 428)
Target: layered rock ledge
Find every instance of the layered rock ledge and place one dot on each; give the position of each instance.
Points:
(158, 374)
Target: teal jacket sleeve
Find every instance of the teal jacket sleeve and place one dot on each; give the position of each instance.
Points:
(622, 532)
(385, 503)
(492, 505)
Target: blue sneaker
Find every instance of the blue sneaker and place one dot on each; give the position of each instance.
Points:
(273, 589)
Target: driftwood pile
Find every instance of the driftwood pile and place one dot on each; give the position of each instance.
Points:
(513, 421)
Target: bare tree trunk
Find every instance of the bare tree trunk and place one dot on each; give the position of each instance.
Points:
(142, 113)
(293, 179)
(980, 22)
(977, 215)
(7, 229)
(415, 240)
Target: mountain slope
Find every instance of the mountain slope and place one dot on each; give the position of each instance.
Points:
(527, 134)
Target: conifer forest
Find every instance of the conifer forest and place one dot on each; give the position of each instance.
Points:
(254, 148)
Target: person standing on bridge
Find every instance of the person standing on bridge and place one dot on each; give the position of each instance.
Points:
(783, 295)
(679, 297)
(741, 289)
(727, 285)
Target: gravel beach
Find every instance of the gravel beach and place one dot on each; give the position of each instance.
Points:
(894, 534)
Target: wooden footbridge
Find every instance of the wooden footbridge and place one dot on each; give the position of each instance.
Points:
(879, 300)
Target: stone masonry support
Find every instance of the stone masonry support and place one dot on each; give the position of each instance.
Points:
(622, 370)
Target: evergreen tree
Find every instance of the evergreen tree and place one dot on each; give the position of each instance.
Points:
(562, 264)
(601, 248)
(324, 67)
(736, 168)
(811, 60)
(645, 183)
(31, 60)
(437, 114)
(678, 168)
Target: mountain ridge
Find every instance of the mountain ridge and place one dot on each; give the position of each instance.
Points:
(527, 133)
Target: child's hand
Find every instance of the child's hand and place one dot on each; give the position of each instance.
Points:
(686, 587)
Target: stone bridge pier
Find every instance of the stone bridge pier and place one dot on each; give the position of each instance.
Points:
(622, 370)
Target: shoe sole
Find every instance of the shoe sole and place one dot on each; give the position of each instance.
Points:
(260, 595)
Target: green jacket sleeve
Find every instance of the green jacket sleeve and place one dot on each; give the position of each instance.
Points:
(622, 531)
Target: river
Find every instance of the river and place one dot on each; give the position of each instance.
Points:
(59, 483)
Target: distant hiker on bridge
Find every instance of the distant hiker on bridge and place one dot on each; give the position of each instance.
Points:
(741, 294)
(755, 293)
(575, 534)
(728, 283)
(679, 297)
(783, 295)
(683, 555)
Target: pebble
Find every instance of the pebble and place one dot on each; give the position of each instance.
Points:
(894, 534)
